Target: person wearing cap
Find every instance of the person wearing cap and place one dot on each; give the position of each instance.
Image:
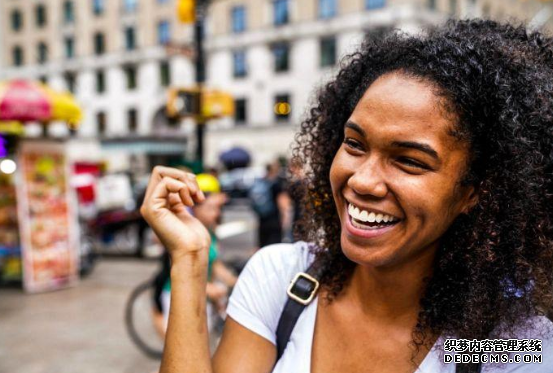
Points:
(220, 278)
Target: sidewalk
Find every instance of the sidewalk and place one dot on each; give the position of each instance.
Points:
(74, 330)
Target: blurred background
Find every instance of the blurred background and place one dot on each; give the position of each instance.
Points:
(94, 93)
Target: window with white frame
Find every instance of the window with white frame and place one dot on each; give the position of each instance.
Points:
(281, 54)
(374, 4)
(130, 5)
(238, 15)
(239, 64)
(280, 12)
(327, 8)
(163, 32)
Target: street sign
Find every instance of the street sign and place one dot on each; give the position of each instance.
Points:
(186, 50)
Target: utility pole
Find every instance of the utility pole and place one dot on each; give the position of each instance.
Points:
(197, 102)
(199, 30)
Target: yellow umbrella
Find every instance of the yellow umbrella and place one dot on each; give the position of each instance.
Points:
(64, 107)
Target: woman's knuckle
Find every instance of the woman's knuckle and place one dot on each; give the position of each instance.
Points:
(144, 211)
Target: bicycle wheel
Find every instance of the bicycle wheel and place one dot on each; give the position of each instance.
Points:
(139, 323)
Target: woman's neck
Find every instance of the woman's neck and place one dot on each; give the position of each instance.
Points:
(391, 293)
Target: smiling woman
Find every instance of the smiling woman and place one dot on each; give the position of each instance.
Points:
(428, 164)
(450, 135)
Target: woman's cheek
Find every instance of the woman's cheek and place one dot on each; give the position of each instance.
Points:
(334, 167)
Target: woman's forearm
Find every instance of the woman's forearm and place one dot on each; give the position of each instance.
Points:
(187, 339)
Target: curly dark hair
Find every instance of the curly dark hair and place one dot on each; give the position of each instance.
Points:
(494, 267)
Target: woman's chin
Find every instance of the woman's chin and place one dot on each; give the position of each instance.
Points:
(366, 255)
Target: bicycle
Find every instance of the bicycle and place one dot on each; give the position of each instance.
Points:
(140, 326)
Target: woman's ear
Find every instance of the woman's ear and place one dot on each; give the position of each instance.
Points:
(470, 199)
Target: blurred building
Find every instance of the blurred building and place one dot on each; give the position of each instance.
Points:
(273, 55)
(119, 57)
(114, 56)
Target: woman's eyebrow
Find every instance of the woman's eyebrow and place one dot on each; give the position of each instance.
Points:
(401, 144)
(418, 146)
(357, 128)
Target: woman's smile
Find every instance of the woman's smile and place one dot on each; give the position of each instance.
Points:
(369, 223)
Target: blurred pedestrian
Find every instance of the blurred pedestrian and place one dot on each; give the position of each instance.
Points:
(296, 188)
(271, 203)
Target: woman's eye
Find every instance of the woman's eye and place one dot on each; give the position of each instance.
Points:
(353, 144)
(414, 164)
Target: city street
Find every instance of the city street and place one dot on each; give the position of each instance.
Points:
(82, 329)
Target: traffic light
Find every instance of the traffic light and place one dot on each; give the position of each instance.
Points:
(183, 102)
(217, 104)
(186, 11)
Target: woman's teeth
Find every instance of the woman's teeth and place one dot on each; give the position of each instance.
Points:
(363, 219)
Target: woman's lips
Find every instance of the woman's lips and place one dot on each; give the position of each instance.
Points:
(366, 233)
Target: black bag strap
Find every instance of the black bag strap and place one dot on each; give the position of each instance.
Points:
(301, 292)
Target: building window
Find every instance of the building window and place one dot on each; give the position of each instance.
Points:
(130, 74)
(240, 111)
(327, 8)
(101, 123)
(40, 15)
(17, 20)
(328, 51)
(130, 5)
(69, 44)
(280, 12)
(239, 64)
(165, 73)
(99, 44)
(374, 4)
(238, 19)
(68, 12)
(42, 53)
(100, 81)
(98, 7)
(282, 107)
(132, 120)
(130, 38)
(17, 56)
(70, 81)
(281, 53)
(163, 32)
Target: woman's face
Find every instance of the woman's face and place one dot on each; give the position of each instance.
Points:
(395, 178)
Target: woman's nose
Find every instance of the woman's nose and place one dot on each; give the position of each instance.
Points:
(368, 180)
